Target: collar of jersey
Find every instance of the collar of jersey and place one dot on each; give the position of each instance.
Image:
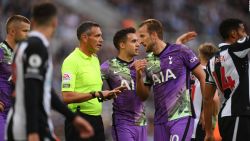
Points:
(223, 44)
(165, 48)
(123, 61)
(8, 46)
(83, 54)
(41, 36)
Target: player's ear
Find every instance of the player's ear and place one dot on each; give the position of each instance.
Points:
(54, 22)
(154, 35)
(122, 45)
(11, 31)
(84, 37)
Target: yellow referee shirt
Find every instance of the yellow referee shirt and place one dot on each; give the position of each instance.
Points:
(81, 73)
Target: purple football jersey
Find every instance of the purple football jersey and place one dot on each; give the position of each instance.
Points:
(169, 74)
(127, 107)
(6, 88)
(6, 55)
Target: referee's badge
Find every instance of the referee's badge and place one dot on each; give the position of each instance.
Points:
(66, 77)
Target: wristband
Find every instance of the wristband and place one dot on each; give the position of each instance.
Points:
(93, 94)
(101, 97)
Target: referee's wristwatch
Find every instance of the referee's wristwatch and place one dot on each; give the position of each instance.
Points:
(93, 94)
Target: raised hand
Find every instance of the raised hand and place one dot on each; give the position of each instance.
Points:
(140, 65)
(83, 126)
(186, 37)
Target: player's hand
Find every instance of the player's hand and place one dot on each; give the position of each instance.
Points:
(140, 65)
(209, 138)
(186, 37)
(121, 88)
(33, 137)
(112, 94)
(1, 106)
(202, 120)
(83, 126)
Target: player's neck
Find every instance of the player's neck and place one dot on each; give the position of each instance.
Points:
(230, 41)
(48, 32)
(11, 42)
(159, 47)
(203, 63)
(125, 57)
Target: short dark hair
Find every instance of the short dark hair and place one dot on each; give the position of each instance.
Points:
(121, 36)
(85, 27)
(153, 25)
(15, 18)
(227, 26)
(43, 13)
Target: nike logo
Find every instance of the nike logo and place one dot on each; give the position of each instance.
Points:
(10, 78)
(115, 72)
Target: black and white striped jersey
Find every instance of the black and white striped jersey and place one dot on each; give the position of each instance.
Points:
(32, 73)
(229, 71)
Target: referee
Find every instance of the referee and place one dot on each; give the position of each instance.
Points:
(82, 83)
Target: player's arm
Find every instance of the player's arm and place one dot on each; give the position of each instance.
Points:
(186, 37)
(200, 74)
(69, 74)
(208, 110)
(81, 124)
(142, 90)
(210, 90)
(216, 105)
(33, 97)
(34, 68)
(75, 97)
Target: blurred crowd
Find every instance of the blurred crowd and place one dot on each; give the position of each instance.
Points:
(178, 16)
(185, 15)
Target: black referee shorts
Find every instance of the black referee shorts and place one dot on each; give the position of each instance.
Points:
(235, 128)
(71, 134)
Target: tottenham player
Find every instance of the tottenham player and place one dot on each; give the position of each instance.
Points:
(17, 28)
(129, 120)
(167, 69)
